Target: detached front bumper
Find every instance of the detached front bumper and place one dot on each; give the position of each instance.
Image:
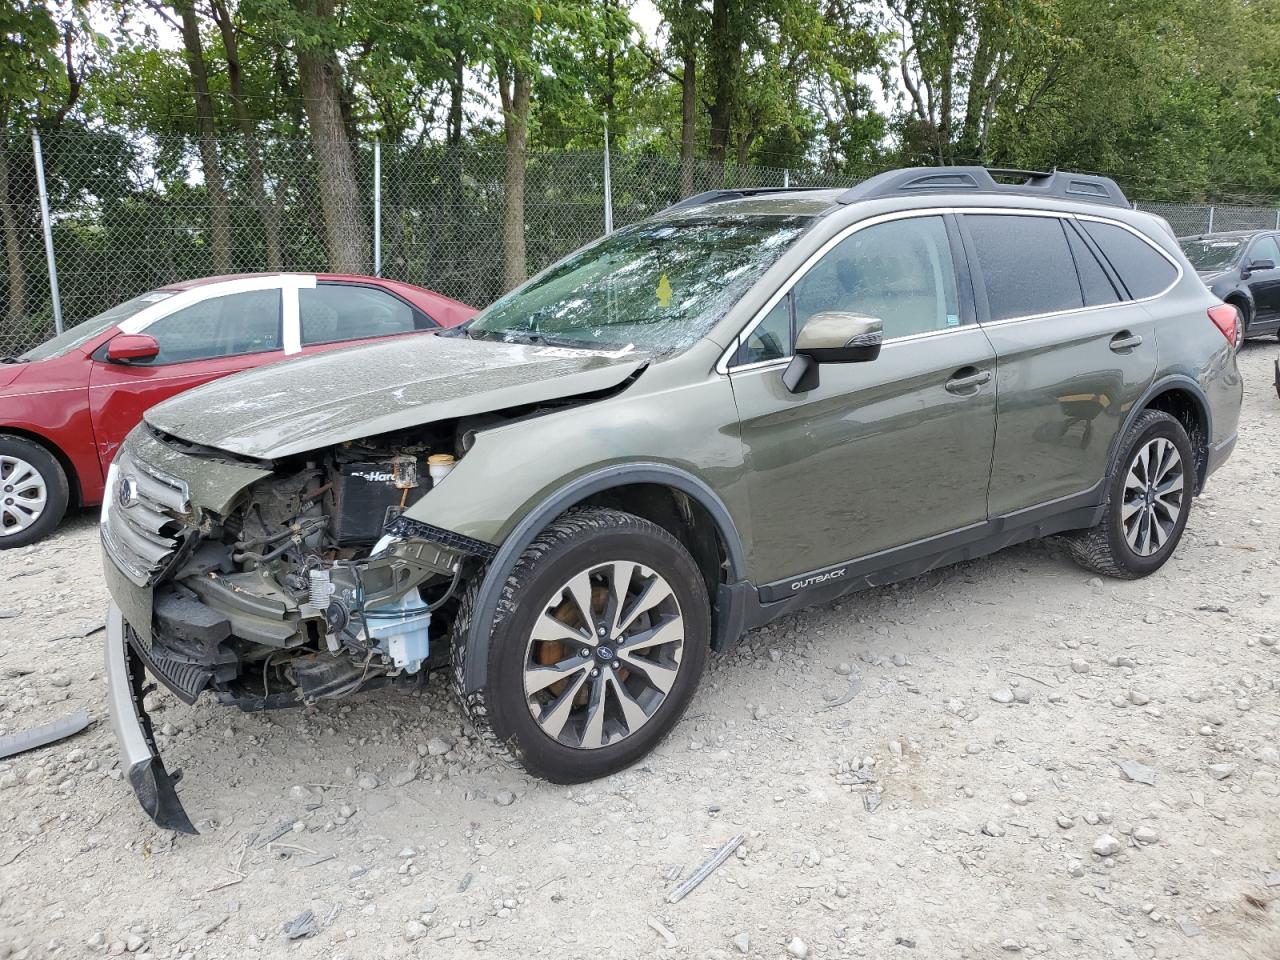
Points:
(126, 688)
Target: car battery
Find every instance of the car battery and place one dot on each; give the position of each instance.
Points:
(368, 495)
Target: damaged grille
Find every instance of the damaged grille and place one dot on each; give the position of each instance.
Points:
(141, 518)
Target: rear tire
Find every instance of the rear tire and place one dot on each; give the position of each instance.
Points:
(33, 492)
(569, 700)
(1148, 501)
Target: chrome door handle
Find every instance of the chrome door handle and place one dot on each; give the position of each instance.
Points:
(969, 382)
(1124, 340)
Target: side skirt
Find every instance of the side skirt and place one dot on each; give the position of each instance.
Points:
(773, 600)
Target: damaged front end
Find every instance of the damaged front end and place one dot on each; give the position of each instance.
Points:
(276, 584)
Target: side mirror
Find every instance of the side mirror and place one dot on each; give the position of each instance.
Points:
(130, 347)
(831, 337)
(1254, 266)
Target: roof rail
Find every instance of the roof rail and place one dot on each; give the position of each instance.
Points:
(719, 196)
(1034, 183)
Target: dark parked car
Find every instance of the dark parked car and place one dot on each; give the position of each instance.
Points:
(1243, 268)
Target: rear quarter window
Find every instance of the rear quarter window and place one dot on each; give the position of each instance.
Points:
(1097, 286)
(1140, 267)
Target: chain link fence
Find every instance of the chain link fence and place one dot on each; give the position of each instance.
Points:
(127, 215)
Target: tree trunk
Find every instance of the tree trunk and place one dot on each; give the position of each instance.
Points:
(688, 120)
(248, 131)
(457, 86)
(346, 237)
(16, 302)
(219, 225)
(726, 54)
(515, 87)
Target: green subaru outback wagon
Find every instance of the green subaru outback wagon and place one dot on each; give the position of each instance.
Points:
(754, 401)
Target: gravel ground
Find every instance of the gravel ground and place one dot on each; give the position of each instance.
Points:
(969, 801)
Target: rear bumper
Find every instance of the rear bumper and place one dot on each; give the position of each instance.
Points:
(139, 758)
(1218, 454)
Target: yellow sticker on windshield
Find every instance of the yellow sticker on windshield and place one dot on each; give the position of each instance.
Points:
(664, 291)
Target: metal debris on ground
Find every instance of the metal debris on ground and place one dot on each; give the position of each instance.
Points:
(275, 833)
(84, 630)
(707, 868)
(855, 685)
(301, 926)
(44, 734)
(662, 931)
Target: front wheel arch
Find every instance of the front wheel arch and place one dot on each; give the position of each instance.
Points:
(604, 483)
(68, 468)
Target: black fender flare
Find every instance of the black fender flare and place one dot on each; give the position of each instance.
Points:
(1175, 381)
(1243, 293)
(475, 666)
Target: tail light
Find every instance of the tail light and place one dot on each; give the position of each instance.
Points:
(1227, 319)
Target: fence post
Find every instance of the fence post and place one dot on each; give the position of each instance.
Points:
(1210, 230)
(608, 182)
(786, 178)
(377, 207)
(48, 231)
(1278, 219)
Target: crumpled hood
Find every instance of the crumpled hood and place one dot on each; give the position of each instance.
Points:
(313, 402)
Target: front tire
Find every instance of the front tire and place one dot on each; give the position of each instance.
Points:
(1148, 501)
(33, 492)
(599, 640)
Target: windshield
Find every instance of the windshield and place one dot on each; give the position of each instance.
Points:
(656, 287)
(83, 332)
(1213, 254)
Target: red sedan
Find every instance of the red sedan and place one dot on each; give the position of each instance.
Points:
(66, 406)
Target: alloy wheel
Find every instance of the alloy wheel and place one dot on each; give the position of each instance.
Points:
(1154, 497)
(23, 495)
(603, 654)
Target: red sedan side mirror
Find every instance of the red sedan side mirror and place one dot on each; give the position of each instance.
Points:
(132, 346)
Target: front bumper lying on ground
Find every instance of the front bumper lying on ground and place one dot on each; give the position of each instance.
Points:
(139, 758)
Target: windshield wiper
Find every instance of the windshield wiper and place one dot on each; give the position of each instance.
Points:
(12, 360)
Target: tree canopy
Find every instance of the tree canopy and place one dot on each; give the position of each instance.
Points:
(219, 135)
(1180, 95)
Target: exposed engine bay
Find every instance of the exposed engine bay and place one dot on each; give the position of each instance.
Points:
(313, 585)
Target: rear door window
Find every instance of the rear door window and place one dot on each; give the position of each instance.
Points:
(332, 311)
(1141, 268)
(1026, 265)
